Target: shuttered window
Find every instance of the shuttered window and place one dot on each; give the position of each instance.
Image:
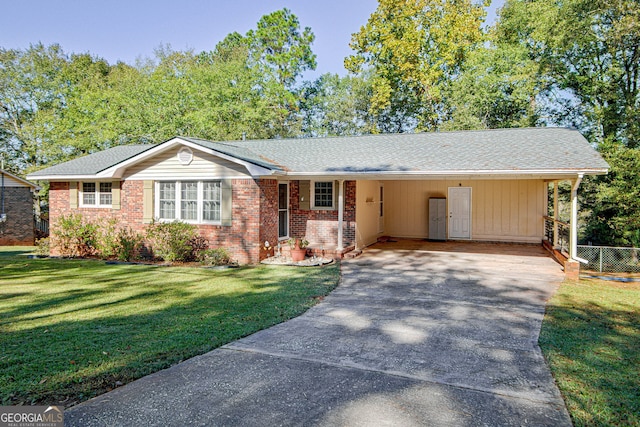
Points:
(189, 201)
(96, 195)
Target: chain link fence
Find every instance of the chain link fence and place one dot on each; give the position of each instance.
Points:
(610, 259)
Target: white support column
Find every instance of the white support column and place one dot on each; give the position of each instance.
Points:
(340, 214)
(556, 216)
(573, 236)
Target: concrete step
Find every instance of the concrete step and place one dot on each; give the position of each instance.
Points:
(352, 254)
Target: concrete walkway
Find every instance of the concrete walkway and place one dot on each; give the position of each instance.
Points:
(438, 335)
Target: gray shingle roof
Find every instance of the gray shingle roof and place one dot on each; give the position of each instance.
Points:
(506, 150)
(93, 163)
(530, 149)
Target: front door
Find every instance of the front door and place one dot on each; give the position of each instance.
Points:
(460, 212)
(283, 210)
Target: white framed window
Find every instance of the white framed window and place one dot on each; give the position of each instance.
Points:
(96, 195)
(196, 202)
(322, 195)
(283, 210)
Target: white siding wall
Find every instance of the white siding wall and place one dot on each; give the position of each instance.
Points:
(502, 210)
(166, 166)
(11, 182)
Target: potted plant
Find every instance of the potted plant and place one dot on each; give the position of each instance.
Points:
(298, 248)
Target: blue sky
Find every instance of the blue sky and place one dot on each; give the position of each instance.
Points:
(127, 29)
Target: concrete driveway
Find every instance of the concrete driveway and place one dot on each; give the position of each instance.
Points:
(438, 335)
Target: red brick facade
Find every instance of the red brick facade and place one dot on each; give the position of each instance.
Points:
(18, 229)
(255, 217)
(320, 227)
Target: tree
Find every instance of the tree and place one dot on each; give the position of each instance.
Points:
(613, 200)
(414, 49)
(279, 46)
(498, 87)
(34, 90)
(589, 48)
(333, 105)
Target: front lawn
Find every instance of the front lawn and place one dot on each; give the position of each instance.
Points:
(72, 329)
(591, 338)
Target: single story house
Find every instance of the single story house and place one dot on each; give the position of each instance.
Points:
(340, 193)
(16, 210)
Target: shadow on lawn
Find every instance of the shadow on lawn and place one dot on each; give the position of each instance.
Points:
(63, 343)
(594, 353)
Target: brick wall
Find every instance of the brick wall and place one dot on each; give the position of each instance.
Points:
(18, 229)
(255, 217)
(242, 238)
(320, 227)
(268, 215)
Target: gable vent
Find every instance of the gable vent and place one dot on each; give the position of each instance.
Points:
(185, 156)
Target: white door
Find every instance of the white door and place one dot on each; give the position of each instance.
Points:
(460, 212)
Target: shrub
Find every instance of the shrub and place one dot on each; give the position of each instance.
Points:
(171, 240)
(42, 246)
(218, 256)
(107, 238)
(198, 245)
(75, 237)
(128, 242)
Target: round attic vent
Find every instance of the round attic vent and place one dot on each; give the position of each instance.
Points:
(185, 156)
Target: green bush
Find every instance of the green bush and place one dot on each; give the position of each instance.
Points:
(128, 241)
(75, 237)
(171, 241)
(218, 256)
(198, 245)
(107, 238)
(42, 246)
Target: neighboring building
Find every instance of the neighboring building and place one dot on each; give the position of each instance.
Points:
(16, 210)
(340, 193)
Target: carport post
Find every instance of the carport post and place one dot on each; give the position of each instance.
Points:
(340, 214)
(573, 251)
(556, 216)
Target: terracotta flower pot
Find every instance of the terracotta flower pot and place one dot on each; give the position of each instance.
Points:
(298, 254)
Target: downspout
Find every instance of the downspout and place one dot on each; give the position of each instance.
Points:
(573, 252)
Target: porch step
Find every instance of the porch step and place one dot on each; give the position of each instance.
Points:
(352, 254)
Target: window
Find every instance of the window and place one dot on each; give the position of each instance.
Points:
(283, 210)
(96, 194)
(323, 195)
(211, 196)
(189, 201)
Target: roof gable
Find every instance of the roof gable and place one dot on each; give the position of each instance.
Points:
(11, 180)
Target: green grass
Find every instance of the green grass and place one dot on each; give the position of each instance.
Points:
(72, 329)
(591, 338)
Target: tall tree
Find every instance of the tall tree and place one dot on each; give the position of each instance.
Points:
(279, 44)
(613, 201)
(333, 105)
(589, 48)
(414, 48)
(499, 86)
(32, 94)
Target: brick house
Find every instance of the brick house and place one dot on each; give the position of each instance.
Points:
(340, 193)
(16, 210)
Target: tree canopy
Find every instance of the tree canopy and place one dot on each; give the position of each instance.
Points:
(419, 65)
